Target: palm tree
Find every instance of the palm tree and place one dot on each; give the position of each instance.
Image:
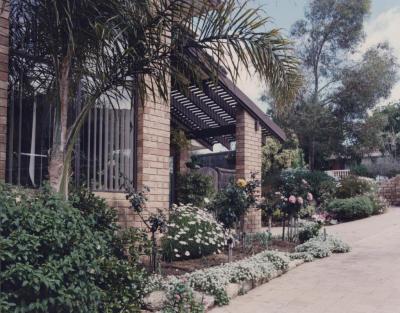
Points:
(111, 48)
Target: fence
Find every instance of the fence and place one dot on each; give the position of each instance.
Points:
(340, 174)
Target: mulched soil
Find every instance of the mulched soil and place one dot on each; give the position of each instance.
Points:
(182, 267)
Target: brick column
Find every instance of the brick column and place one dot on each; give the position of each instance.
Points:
(248, 159)
(153, 151)
(4, 47)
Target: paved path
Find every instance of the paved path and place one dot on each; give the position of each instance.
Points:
(366, 280)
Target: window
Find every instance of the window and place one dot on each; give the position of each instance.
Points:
(103, 154)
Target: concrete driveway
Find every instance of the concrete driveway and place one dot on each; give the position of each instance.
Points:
(366, 280)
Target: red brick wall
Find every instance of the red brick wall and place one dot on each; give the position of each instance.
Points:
(153, 153)
(390, 190)
(248, 159)
(4, 33)
(126, 217)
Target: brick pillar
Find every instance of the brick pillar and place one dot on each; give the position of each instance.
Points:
(248, 159)
(4, 47)
(153, 151)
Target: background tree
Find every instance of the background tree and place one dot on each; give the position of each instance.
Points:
(340, 88)
(103, 48)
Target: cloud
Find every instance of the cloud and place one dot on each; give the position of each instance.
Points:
(385, 27)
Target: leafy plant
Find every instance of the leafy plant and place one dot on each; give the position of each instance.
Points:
(351, 208)
(194, 188)
(352, 186)
(232, 203)
(359, 170)
(154, 222)
(251, 239)
(59, 256)
(182, 300)
(191, 233)
(308, 230)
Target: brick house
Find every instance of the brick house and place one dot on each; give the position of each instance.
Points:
(134, 142)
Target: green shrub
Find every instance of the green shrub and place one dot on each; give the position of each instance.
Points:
(192, 233)
(352, 186)
(351, 208)
(231, 203)
(308, 230)
(50, 257)
(194, 188)
(54, 259)
(360, 170)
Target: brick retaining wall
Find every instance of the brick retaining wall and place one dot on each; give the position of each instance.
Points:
(390, 190)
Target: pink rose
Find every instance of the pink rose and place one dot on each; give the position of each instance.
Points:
(292, 199)
(177, 297)
(300, 200)
(310, 196)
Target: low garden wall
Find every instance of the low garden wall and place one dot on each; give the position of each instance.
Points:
(390, 190)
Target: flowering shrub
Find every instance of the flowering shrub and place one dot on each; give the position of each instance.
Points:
(191, 233)
(320, 247)
(232, 203)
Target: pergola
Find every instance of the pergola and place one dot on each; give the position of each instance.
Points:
(208, 112)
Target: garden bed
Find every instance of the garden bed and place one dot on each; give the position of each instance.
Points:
(187, 266)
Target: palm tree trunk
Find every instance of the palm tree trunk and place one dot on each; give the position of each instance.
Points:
(57, 155)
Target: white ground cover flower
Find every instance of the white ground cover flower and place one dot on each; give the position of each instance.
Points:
(320, 247)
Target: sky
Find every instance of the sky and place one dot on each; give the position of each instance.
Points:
(383, 24)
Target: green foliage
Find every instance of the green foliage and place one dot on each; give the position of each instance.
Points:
(352, 186)
(321, 185)
(332, 110)
(308, 230)
(50, 256)
(359, 170)
(231, 203)
(191, 233)
(194, 188)
(60, 256)
(181, 300)
(379, 203)
(262, 239)
(351, 208)
(277, 156)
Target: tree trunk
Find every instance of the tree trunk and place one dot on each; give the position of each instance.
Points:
(269, 223)
(57, 155)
